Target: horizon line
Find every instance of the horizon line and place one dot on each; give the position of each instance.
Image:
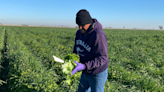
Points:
(62, 26)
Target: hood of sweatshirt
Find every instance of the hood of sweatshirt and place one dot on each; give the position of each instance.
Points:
(95, 25)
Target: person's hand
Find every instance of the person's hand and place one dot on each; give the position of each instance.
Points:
(79, 67)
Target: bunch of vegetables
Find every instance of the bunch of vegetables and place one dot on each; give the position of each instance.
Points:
(68, 67)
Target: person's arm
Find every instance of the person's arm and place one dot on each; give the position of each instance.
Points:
(100, 51)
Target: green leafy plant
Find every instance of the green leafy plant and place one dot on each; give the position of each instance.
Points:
(68, 67)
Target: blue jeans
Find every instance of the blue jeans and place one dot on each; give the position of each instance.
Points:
(93, 83)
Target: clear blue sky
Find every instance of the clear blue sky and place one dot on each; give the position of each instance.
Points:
(147, 14)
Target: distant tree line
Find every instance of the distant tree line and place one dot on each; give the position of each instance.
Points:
(24, 25)
(160, 27)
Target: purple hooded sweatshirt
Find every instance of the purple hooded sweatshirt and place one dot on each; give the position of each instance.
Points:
(92, 49)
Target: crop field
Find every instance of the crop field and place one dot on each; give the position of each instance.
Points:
(136, 59)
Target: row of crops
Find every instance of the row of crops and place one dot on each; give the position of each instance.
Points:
(29, 67)
(2, 33)
(136, 59)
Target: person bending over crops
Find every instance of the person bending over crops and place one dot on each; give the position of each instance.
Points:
(91, 46)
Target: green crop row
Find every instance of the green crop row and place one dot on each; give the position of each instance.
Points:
(43, 48)
(136, 58)
(27, 72)
(2, 34)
